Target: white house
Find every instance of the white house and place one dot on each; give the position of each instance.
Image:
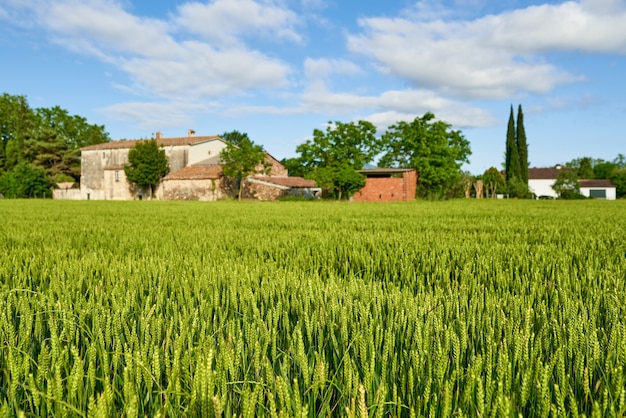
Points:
(599, 189)
(541, 180)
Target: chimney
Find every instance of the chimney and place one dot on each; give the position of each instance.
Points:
(158, 135)
(558, 166)
(190, 132)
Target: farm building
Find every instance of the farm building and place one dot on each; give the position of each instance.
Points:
(387, 185)
(599, 189)
(541, 180)
(195, 172)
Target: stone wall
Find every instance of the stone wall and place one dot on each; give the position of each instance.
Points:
(265, 192)
(66, 194)
(202, 189)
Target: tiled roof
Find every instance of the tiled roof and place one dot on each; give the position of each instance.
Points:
(379, 170)
(287, 181)
(196, 172)
(547, 173)
(595, 183)
(65, 185)
(162, 142)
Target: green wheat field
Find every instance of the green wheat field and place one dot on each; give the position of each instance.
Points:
(173, 309)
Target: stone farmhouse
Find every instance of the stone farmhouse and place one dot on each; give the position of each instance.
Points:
(541, 180)
(195, 173)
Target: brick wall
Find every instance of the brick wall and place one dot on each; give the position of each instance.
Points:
(388, 189)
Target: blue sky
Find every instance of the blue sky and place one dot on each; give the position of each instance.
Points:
(277, 69)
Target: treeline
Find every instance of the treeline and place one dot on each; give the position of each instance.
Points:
(40, 147)
(587, 168)
(430, 146)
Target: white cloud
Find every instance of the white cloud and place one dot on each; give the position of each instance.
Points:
(223, 21)
(494, 56)
(320, 69)
(149, 115)
(160, 64)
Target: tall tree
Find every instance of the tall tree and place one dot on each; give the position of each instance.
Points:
(17, 121)
(242, 158)
(430, 146)
(522, 146)
(147, 165)
(329, 157)
(512, 162)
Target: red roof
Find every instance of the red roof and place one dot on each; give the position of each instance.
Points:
(196, 172)
(547, 173)
(162, 142)
(287, 181)
(595, 183)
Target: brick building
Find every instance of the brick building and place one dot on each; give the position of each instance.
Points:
(387, 185)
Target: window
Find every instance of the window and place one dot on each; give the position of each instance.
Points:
(117, 176)
(597, 193)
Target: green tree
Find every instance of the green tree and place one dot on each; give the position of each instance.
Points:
(147, 165)
(603, 169)
(522, 146)
(618, 178)
(348, 181)
(235, 137)
(48, 138)
(13, 155)
(25, 181)
(583, 167)
(242, 158)
(57, 138)
(17, 121)
(512, 160)
(331, 154)
(566, 184)
(492, 180)
(431, 147)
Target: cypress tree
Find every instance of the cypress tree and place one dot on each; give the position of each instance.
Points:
(512, 163)
(522, 146)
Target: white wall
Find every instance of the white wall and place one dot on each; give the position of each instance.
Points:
(542, 187)
(610, 191)
(205, 150)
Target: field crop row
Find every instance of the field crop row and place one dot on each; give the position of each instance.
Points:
(463, 308)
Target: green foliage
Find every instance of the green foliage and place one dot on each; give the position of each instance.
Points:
(242, 158)
(25, 181)
(566, 183)
(348, 181)
(47, 138)
(517, 188)
(332, 157)
(462, 308)
(604, 169)
(236, 138)
(522, 146)
(511, 164)
(147, 164)
(493, 180)
(583, 167)
(12, 154)
(618, 178)
(294, 167)
(431, 147)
